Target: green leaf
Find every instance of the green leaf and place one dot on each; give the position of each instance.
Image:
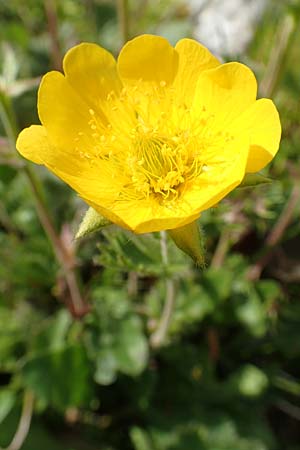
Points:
(254, 179)
(217, 282)
(7, 401)
(10, 64)
(11, 334)
(251, 311)
(132, 349)
(106, 367)
(252, 381)
(52, 334)
(59, 378)
(92, 221)
(140, 439)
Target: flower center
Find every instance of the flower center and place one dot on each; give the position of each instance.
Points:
(160, 166)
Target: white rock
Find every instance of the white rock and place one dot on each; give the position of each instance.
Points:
(226, 27)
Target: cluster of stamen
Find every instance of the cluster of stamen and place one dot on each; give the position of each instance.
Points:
(154, 152)
(159, 166)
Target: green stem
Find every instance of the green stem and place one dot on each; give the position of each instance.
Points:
(158, 337)
(78, 307)
(8, 120)
(221, 250)
(50, 7)
(276, 234)
(278, 56)
(123, 19)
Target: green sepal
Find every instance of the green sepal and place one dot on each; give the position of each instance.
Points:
(91, 222)
(254, 179)
(190, 240)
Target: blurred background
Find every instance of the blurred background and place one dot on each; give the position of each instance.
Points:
(86, 359)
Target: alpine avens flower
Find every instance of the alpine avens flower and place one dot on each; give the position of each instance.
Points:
(154, 139)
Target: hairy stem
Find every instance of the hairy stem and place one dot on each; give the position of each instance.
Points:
(158, 337)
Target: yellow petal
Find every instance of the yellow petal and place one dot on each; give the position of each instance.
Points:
(262, 122)
(194, 58)
(225, 91)
(90, 181)
(92, 72)
(144, 216)
(100, 144)
(223, 172)
(64, 114)
(148, 58)
(163, 221)
(33, 143)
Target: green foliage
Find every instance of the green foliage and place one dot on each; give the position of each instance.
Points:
(59, 378)
(116, 341)
(7, 401)
(226, 375)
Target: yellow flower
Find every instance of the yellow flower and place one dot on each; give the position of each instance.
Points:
(155, 138)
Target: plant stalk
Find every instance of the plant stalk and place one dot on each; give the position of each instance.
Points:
(77, 306)
(123, 19)
(158, 337)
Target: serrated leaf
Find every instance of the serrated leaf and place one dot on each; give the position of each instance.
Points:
(92, 221)
(254, 179)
